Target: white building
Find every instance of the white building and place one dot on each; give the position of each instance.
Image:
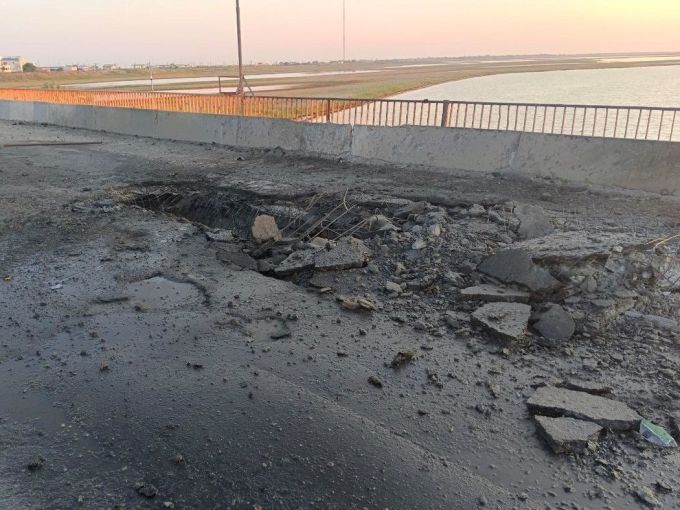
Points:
(12, 64)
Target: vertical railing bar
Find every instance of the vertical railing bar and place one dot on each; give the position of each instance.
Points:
(625, 132)
(595, 121)
(649, 121)
(637, 129)
(663, 112)
(616, 122)
(606, 119)
(670, 139)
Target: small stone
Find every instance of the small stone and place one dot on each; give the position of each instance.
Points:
(374, 381)
(264, 229)
(36, 463)
(147, 490)
(506, 320)
(435, 230)
(610, 414)
(568, 435)
(394, 288)
(476, 210)
(418, 244)
(647, 497)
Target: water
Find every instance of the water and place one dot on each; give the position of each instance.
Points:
(639, 86)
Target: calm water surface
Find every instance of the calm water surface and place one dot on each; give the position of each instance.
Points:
(641, 86)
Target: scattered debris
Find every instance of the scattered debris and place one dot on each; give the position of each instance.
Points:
(403, 358)
(568, 435)
(374, 381)
(647, 497)
(611, 414)
(279, 330)
(146, 489)
(356, 304)
(506, 320)
(36, 463)
(394, 288)
(656, 435)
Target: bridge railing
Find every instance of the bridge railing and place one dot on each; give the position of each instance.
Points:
(622, 122)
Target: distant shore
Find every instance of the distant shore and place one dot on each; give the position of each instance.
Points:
(391, 77)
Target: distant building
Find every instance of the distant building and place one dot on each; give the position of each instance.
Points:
(110, 67)
(12, 64)
(70, 68)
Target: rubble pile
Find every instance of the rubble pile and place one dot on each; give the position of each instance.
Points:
(503, 275)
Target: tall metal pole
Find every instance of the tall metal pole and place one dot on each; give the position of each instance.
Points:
(344, 31)
(239, 89)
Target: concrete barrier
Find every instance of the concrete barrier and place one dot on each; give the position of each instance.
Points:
(633, 164)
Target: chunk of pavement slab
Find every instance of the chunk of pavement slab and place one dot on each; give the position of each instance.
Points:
(264, 229)
(533, 222)
(555, 325)
(594, 388)
(348, 254)
(568, 435)
(296, 262)
(380, 223)
(611, 414)
(506, 320)
(412, 208)
(494, 293)
(233, 254)
(578, 246)
(516, 266)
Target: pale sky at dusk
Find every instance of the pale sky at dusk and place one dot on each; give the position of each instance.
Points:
(202, 31)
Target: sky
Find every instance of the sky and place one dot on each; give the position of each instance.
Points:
(52, 32)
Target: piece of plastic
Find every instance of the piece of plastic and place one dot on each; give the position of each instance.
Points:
(657, 435)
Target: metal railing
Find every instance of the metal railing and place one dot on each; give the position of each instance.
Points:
(623, 122)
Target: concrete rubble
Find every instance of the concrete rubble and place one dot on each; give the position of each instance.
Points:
(302, 287)
(611, 414)
(568, 435)
(506, 320)
(492, 293)
(555, 325)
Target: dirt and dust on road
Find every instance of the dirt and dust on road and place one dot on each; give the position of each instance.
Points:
(188, 326)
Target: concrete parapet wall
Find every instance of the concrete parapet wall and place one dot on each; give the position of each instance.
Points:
(633, 164)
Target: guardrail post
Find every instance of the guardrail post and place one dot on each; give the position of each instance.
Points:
(328, 111)
(445, 113)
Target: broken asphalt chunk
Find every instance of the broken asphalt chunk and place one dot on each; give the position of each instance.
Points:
(555, 325)
(494, 293)
(611, 414)
(296, 262)
(233, 254)
(506, 320)
(348, 254)
(568, 435)
(516, 266)
(533, 222)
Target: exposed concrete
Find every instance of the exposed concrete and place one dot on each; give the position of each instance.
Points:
(634, 164)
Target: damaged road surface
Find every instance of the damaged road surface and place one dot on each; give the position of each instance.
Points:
(187, 326)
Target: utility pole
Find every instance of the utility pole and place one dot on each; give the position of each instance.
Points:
(151, 76)
(344, 31)
(239, 88)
